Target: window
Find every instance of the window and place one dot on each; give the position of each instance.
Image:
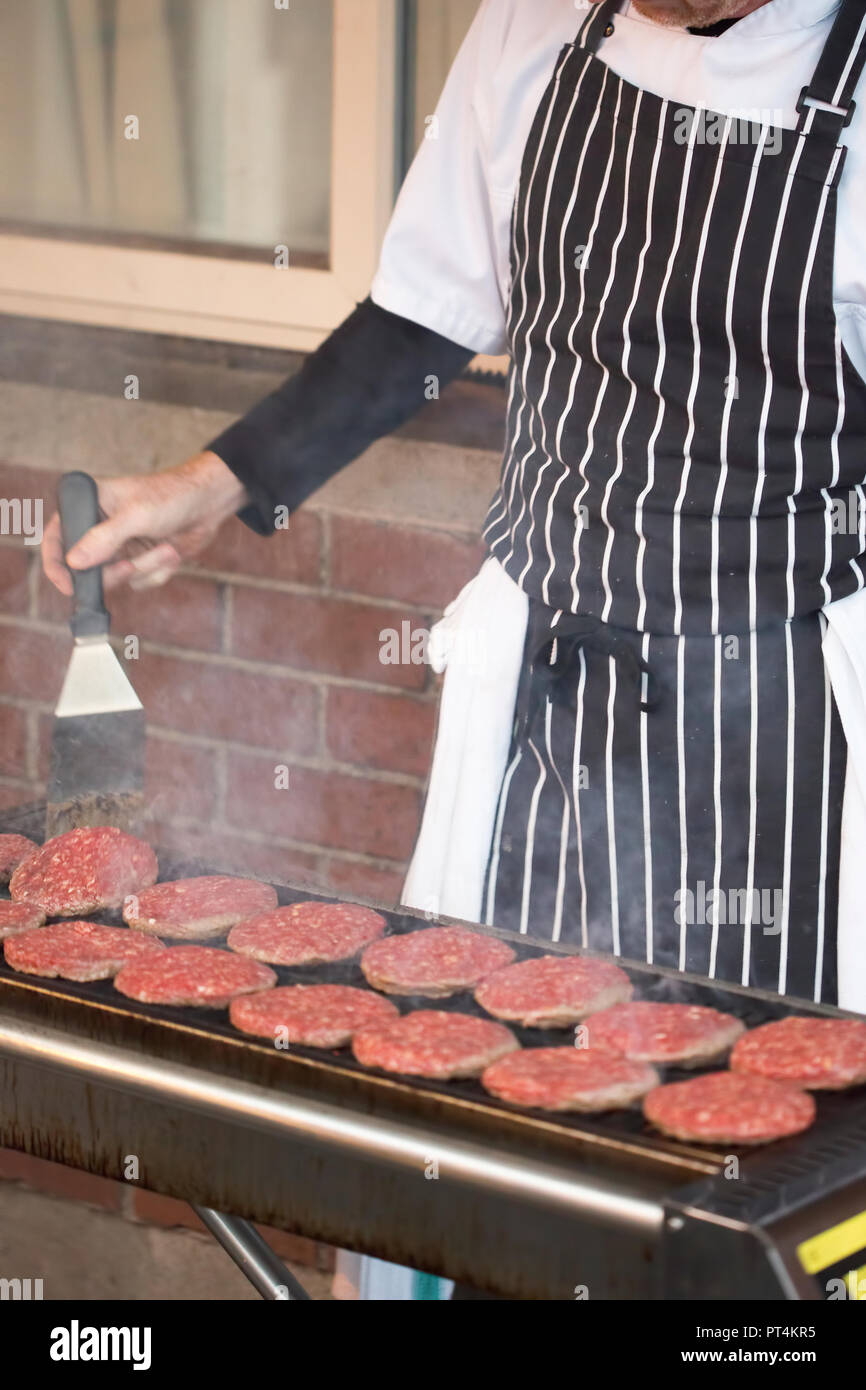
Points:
(203, 121)
(217, 168)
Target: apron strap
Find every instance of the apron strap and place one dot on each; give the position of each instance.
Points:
(598, 25)
(827, 105)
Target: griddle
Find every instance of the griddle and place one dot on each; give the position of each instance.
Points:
(439, 1175)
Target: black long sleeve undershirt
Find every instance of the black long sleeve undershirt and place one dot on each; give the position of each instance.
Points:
(368, 378)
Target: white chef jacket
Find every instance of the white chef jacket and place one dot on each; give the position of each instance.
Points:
(445, 259)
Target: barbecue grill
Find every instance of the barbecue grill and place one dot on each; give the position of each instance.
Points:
(441, 1176)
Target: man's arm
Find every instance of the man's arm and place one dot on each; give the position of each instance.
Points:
(365, 380)
(368, 378)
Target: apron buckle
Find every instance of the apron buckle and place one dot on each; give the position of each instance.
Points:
(805, 99)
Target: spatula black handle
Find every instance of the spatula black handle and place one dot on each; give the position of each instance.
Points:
(78, 505)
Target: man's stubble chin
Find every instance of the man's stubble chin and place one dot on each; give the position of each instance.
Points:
(678, 14)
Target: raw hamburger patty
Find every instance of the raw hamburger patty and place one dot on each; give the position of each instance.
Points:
(196, 909)
(688, 1034)
(77, 950)
(84, 870)
(435, 1044)
(434, 962)
(553, 991)
(314, 1015)
(569, 1078)
(822, 1054)
(199, 975)
(726, 1108)
(13, 850)
(18, 917)
(307, 933)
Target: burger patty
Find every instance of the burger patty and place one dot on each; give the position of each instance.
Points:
(77, 950)
(821, 1054)
(83, 871)
(312, 1015)
(553, 991)
(725, 1107)
(18, 917)
(434, 962)
(201, 976)
(434, 1044)
(197, 909)
(14, 849)
(307, 933)
(569, 1078)
(687, 1035)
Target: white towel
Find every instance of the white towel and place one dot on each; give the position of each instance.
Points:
(479, 643)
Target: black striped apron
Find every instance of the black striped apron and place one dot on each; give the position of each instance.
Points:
(681, 494)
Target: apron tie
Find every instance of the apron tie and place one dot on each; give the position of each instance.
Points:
(554, 676)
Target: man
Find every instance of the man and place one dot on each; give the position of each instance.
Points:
(649, 759)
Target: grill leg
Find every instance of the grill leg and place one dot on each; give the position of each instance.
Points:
(253, 1256)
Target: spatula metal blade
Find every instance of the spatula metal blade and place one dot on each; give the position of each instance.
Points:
(97, 753)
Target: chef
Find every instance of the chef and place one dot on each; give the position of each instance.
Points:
(658, 210)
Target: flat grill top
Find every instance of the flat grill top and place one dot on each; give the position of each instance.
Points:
(99, 1007)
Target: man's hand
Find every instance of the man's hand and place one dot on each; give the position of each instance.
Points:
(154, 524)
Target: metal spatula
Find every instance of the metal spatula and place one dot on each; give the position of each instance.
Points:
(97, 753)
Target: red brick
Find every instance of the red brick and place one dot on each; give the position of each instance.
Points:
(157, 1210)
(219, 849)
(401, 562)
(290, 557)
(60, 1181)
(215, 700)
(186, 612)
(382, 887)
(233, 705)
(33, 663)
(13, 742)
(298, 1249)
(389, 732)
(180, 779)
(334, 636)
(17, 480)
(51, 605)
(323, 808)
(14, 575)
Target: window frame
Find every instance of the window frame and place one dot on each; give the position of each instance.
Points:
(218, 297)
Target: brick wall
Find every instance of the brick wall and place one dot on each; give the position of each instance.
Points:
(266, 655)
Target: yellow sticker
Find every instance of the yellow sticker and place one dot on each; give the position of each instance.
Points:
(834, 1245)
